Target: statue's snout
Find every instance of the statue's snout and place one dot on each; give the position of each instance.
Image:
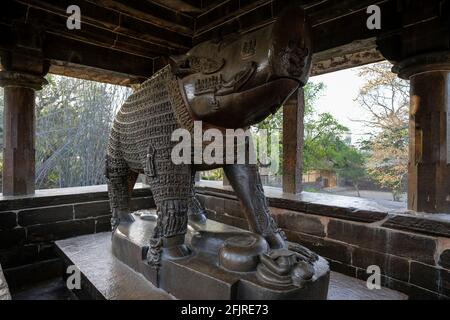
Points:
(242, 79)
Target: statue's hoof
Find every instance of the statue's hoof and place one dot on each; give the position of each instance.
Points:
(174, 248)
(176, 252)
(241, 253)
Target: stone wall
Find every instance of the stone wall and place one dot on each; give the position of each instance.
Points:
(30, 225)
(412, 251)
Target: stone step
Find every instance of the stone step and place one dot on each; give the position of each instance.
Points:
(105, 277)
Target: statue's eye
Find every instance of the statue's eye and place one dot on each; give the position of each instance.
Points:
(186, 64)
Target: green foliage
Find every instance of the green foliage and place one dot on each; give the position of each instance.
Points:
(213, 175)
(325, 148)
(274, 123)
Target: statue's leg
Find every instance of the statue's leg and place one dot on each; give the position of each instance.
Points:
(172, 191)
(196, 213)
(246, 182)
(120, 183)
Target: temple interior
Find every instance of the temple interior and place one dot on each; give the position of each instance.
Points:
(44, 231)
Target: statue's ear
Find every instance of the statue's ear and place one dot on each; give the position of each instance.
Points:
(181, 65)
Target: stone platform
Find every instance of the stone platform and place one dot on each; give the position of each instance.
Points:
(200, 275)
(106, 277)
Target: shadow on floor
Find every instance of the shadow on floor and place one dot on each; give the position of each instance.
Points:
(54, 289)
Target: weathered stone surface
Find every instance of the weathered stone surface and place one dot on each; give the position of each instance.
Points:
(8, 220)
(431, 278)
(45, 215)
(434, 224)
(4, 290)
(346, 288)
(324, 247)
(391, 266)
(60, 230)
(444, 259)
(412, 246)
(298, 222)
(104, 276)
(12, 237)
(92, 209)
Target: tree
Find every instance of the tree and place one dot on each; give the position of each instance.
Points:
(73, 119)
(386, 98)
(388, 161)
(351, 166)
(274, 123)
(326, 149)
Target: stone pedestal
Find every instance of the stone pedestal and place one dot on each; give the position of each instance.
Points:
(429, 133)
(19, 131)
(204, 275)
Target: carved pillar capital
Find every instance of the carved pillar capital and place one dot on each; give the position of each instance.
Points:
(429, 62)
(21, 79)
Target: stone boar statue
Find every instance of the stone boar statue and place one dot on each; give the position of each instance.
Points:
(232, 83)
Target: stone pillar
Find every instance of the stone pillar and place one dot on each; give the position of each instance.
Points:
(293, 136)
(429, 132)
(19, 131)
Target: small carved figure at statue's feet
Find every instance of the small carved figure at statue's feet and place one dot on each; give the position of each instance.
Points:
(276, 240)
(282, 267)
(303, 253)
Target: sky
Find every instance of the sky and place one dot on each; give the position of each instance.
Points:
(338, 98)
